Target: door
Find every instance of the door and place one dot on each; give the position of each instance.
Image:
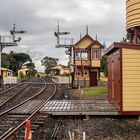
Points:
(110, 79)
(117, 79)
(93, 78)
(114, 86)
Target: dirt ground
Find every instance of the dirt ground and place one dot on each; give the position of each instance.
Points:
(101, 128)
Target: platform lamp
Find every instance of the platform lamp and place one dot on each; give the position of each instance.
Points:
(9, 41)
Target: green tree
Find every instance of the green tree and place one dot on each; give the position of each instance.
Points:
(104, 67)
(49, 62)
(5, 60)
(31, 73)
(17, 60)
(21, 59)
(12, 65)
(30, 65)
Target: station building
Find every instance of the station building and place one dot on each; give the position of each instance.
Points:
(6, 72)
(59, 70)
(24, 71)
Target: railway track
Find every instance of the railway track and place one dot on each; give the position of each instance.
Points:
(12, 122)
(18, 95)
(56, 129)
(10, 88)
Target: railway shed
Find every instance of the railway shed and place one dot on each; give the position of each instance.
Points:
(124, 77)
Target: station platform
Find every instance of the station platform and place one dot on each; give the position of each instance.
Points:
(79, 107)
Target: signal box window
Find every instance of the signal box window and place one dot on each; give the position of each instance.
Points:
(96, 54)
(82, 54)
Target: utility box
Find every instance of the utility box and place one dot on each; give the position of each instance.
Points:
(124, 77)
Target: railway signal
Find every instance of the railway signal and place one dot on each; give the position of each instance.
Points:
(14, 32)
(9, 41)
(65, 43)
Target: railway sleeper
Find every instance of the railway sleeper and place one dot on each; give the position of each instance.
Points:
(39, 123)
(43, 118)
(20, 135)
(34, 127)
(4, 128)
(14, 119)
(8, 122)
(17, 116)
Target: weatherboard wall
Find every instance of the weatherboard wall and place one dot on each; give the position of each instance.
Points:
(131, 79)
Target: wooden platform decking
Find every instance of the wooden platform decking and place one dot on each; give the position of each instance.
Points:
(80, 107)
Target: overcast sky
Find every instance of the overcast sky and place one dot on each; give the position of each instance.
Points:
(106, 18)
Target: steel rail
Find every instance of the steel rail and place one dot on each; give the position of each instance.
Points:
(8, 89)
(5, 112)
(12, 108)
(14, 95)
(13, 131)
(56, 129)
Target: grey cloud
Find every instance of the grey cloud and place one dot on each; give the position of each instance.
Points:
(39, 18)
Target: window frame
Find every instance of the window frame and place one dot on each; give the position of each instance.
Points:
(95, 53)
(79, 53)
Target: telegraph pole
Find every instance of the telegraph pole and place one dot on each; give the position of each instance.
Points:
(9, 41)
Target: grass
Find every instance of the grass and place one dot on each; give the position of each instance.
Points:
(104, 79)
(93, 91)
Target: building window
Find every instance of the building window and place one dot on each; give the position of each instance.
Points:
(96, 54)
(78, 56)
(82, 54)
